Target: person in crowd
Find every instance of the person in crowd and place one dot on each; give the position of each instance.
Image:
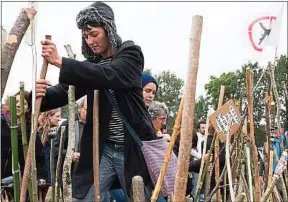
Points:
(6, 152)
(114, 68)
(149, 86)
(46, 133)
(195, 156)
(158, 112)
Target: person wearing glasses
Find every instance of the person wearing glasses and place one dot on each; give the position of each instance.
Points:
(159, 112)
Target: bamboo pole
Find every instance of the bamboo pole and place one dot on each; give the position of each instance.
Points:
(67, 182)
(14, 149)
(138, 189)
(188, 111)
(24, 135)
(216, 152)
(176, 131)
(13, 42)
(252, 137)
(96, 146)
(30, 161)
(59, 163)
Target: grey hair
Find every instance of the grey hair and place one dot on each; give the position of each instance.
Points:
(156, 108)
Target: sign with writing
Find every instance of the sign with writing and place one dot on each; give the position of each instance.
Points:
(221, 117)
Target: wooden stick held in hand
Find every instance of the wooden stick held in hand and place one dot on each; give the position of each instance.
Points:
(31, 149)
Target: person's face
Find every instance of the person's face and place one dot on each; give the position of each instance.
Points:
(149, 92)
(18, 113)
(83, 112)
(55, 118)
(282, 130)
(97, 40)
(160, 121)
(202, 128)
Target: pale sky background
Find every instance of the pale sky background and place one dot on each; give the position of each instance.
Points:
(162, 29)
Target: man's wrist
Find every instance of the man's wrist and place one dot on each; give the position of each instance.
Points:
(58, 62)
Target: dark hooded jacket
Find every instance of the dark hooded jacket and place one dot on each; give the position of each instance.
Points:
(123, 75)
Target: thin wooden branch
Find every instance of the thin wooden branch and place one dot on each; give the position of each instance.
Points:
(176, 131)
(188, 109)
(216, 149)
(228, 163)
(59, 164)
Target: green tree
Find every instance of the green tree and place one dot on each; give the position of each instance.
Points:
(148, 71)
(281, 74)
(169, 87)
(201, 109)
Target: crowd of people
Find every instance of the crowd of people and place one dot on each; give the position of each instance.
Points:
(125, 95)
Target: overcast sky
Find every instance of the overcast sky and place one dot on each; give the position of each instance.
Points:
(162, 29)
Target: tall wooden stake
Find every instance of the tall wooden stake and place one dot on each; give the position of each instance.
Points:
(67, 182)
(217, 164)
(30, 161)
(188, 111)
(252, 137)
(13, 42)
(96, 146)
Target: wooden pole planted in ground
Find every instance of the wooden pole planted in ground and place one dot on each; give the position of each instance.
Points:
(13, 42)
(188, 111)
(96, 146)
(14, 149)
(59, 164)
(138, 189)
(252, 137)
(216, 152)
(30, 161)
(232, 194)
(67, 182)
(176, 131)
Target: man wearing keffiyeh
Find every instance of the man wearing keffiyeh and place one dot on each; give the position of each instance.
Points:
(114, 68)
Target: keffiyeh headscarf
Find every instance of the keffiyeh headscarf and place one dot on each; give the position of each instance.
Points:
(101, 14)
